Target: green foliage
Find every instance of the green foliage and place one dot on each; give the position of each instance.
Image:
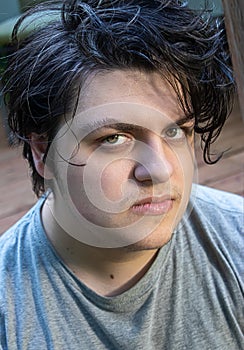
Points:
(25, 4)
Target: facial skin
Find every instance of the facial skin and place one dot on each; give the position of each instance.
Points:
(137, 163)
(134, 183)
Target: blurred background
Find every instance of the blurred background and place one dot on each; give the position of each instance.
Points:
(15, 185)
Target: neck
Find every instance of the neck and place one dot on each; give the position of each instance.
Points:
(108, 272)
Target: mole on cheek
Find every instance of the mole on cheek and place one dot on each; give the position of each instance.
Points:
(112, 277)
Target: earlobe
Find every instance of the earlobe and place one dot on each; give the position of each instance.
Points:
(39, 144)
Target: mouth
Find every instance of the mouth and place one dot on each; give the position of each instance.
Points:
(153, 206)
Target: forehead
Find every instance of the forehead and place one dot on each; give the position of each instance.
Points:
(135, 87)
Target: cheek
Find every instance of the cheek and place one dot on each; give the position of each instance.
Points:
(184, 164)
(114, 178)
(185, 160)
(75, 183)
(187, 166)
(96, 184)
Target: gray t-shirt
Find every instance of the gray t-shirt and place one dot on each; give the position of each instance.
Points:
(191, 297)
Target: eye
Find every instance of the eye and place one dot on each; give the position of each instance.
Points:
(175, 133)
(116, 140)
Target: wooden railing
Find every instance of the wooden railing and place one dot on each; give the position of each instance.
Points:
(234, 21)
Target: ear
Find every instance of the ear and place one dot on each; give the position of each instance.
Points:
(39, 144)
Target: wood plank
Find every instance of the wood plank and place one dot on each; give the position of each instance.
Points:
(232, 184)
(8, 221)
(208, 174)
(234, 22)
(15, 186)
(230, 139)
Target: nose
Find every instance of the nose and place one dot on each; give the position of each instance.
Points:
(153, 164)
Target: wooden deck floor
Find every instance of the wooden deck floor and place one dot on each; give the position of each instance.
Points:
(17, 196)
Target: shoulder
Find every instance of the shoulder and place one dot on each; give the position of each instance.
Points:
(218, 211)
(217, 220)
(18, 253)
(224, 201)
(15, 239)
(218, 207)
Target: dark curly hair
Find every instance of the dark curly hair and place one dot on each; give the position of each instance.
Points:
(48, 68)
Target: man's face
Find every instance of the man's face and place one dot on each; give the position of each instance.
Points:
(124, 165)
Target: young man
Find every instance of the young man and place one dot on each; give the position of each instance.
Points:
(121, 251)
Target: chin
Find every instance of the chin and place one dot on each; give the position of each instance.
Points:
(153, 242)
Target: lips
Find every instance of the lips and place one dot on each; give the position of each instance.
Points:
(153, 205)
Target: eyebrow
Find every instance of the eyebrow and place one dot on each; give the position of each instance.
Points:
(111, 123)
